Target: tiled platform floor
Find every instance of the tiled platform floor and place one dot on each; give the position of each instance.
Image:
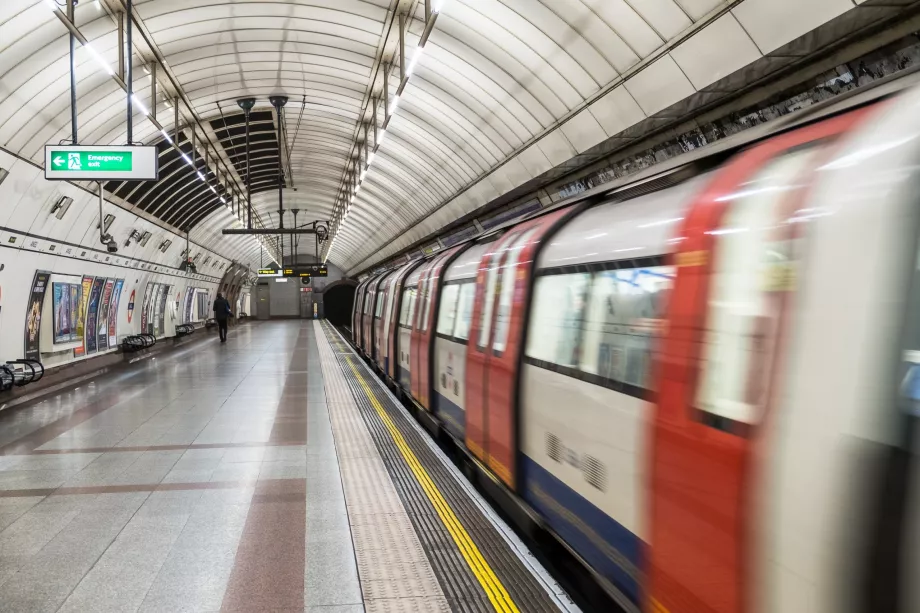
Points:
(202, 480)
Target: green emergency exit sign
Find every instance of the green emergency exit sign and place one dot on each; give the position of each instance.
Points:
(101, 162)
(92, 161)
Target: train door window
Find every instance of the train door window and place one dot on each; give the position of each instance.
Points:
(448, 310)
(367, 303)
(407, 307)
(557, 318)
(380, 301)
(485, 323)
(753, 267)
(420, 298)
(506, 285)
(625, 315)
(464, 311)
(429, 298)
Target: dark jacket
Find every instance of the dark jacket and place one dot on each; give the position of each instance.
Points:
(221, 308)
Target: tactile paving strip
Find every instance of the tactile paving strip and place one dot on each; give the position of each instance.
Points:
(460, 585)
(393, 569)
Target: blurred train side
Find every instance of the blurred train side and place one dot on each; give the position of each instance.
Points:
(699, 389)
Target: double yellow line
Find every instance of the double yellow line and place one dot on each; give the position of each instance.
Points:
(492, 585)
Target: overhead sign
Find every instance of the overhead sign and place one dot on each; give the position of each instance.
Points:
(99, 163)
(304, 272)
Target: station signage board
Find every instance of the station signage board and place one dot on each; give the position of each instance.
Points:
(101, 163)
(304, 272)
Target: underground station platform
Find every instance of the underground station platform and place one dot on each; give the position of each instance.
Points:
(273, 472)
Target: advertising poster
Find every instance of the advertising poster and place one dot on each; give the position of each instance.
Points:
(92, 311)
(113, 313)
(145, 311)
(34, 314)
(161, 310)
(189, 298)
(75, 300)
(85, 290)
(102, 326)
(131, 305)
(60, 302)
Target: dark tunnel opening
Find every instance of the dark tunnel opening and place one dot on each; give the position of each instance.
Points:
(337, 303)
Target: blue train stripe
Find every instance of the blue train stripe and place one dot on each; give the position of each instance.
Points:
(613, 551)
(451, 414)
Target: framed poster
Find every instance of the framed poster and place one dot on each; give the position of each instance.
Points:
(76, 292)
(92, 311)
(113, 312)
(131, 305)
(80, 326)
(102, 326)
(161, 309)
(60, 303)
(189, 298)
(34, 314)
(145, 309)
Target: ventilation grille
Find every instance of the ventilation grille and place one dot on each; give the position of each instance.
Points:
(595, 472)
(553, 447)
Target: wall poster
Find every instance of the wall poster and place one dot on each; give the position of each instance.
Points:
(145, 311)
(92, 310)
(102, 326)
(161, 309)
(189, 299)
(131, 305)
(62, 327)
(85, 289)
(34, 314)
(113, 312)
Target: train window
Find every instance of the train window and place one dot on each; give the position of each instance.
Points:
(485, 324)
(367, 303)
(407, 308)
(380, 300)
(465, 311)
(430, 289)
(624, 317)
(420, 296)
(556, 321)
(753, 266)
(448, 310)
(506, 291)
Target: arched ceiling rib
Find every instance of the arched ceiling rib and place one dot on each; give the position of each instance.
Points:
(505, 90)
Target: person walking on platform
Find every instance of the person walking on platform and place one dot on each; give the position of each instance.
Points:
(221, 314)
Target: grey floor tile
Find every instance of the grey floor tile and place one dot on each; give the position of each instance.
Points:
(330, 575)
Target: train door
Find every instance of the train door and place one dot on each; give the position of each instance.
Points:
(736, 263)
(376, 323)
(428, 310)
(395, 319)
(421, 298)
(407, 316)
(497, 351)
(357, 311)
(367, 321)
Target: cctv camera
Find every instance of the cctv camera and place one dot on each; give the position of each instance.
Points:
(112, 246)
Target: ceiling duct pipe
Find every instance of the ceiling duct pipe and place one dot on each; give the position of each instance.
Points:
(278, 102)
(247, 104)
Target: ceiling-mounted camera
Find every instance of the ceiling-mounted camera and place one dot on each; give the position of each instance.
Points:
(109, 242)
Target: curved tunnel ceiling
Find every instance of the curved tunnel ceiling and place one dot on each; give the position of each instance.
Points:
(496, 77)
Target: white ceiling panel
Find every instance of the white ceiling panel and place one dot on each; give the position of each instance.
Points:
(773, 23)
(515, 85)
(659, 86)
(718, 50)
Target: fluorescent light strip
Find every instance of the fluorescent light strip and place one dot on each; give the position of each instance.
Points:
(99, 59)
(139, 104)
(166, 136)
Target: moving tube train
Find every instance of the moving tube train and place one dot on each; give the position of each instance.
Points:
(707, 385)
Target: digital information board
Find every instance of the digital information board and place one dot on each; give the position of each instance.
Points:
(100, 163)
(300, 271)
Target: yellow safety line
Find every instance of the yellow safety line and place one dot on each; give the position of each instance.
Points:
(492, 585)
